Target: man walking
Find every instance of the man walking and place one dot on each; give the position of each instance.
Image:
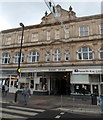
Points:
(26, 94)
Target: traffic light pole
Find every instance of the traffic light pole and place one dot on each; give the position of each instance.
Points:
(19, 60)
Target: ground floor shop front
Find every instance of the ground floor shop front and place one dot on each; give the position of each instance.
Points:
(58, 81)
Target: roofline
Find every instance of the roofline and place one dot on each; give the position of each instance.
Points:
(77, 19)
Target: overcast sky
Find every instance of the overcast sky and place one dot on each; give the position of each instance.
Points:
(30, 12)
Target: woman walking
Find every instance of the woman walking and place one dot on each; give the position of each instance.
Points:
(26, 94)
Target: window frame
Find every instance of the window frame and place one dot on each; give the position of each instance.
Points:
(100, 53)
(83, 32)
(33, 58)
(16, 58)
(82, 53)
(57, 55)
(5, 58)
(101, 28)
(57, 34)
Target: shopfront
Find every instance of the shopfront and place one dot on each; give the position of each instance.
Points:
(87, 81)
(47, 81)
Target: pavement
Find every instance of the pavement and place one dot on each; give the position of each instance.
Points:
(56, 102)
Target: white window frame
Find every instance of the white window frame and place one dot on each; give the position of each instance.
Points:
(100, 53)
(85, 52)
(33, 55)
(101, 28)
(34, 37)
(16, 58)
(57, 34)
(8, 40)
(67, 33)
(84, 32)
(6, 58)
(47, 56)
(67, 55)
(48, 35)
(57, 55)
(19, 39)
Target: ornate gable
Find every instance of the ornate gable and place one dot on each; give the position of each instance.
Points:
(64, 15)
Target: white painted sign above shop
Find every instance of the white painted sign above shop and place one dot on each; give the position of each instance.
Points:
(88, 71)
(47, 70)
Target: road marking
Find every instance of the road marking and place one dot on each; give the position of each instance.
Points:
(58, 116)
(18, 111)
(25, 108)
(62, 113)
(5, 115)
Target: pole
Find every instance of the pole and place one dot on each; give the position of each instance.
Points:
(19, 60)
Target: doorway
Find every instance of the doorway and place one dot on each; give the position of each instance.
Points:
(60, 83)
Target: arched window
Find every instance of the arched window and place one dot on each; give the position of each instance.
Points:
(67, 55)
(101, 53)
(16, 58)
(33, 57)
(6, 58)
(57, 55)
(85, 53)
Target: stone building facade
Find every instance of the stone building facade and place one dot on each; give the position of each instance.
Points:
(55, 60)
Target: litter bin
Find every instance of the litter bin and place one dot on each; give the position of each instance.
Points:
(94, 99)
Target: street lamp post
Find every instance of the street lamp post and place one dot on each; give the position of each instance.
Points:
(19, 60)
(18, 70)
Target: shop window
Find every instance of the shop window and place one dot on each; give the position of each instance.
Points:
(11, 84)
(36, 86)
(43, 83)
(32, 84)
(81, 89)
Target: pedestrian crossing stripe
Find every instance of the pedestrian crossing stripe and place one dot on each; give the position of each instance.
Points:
(6, 115)
(18, 112)
(25, 108)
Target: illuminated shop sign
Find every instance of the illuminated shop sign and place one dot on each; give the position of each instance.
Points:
(87, 71)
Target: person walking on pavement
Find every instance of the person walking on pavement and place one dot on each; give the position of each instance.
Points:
(6, 89)
(26, 94)
(3, 90)
(101, 103)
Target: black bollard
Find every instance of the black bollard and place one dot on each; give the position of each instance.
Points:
(16, 96)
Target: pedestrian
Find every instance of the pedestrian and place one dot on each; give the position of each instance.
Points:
(3, 90)
(26, 94)
(6, 89)
(101, 102)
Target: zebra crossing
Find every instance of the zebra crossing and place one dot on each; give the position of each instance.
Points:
(23, 112)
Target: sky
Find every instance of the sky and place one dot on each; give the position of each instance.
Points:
(30, 12)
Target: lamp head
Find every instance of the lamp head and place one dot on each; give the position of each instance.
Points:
(21, 24)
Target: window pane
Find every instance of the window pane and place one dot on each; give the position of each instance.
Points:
(90, 56)
(84, 49)
(79, 56)
(101, 55)
(85, 56)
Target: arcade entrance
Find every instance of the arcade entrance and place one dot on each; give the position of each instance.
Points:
(60, 83)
